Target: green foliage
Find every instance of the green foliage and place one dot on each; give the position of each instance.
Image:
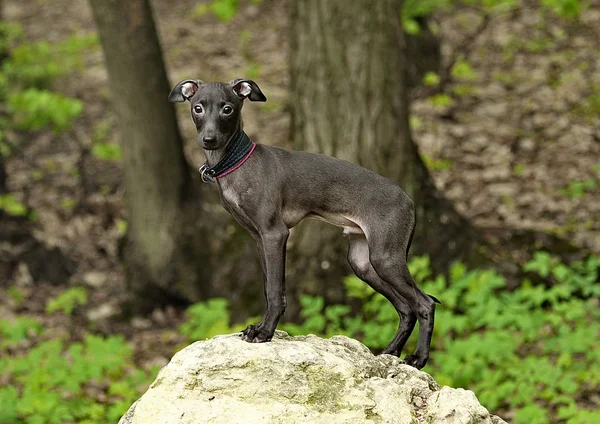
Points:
(27, 72)
(440, 100)
(568, 9)
(36, 109)
(37, 64)
(224, 10)
(437, 164)
(254, 70)
(16, 295)
(53, 382)
(68, 300)
(9, 31)
(12, 206)
(12, 332)
(590, 106)
(414, 9)
(462, 70)
(121, 226)
(431, 78)
(107, 151)
(532, 349)
(207, 319)
(539, 45)
(519, 169)
(578, 189)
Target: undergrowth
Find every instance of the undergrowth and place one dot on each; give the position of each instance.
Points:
(531, 354)
(55, 380)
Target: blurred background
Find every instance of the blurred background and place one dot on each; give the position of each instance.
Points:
(114, 255)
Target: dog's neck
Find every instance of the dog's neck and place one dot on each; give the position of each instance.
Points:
(214, 156)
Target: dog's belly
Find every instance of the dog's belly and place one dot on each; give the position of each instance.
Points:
(349, 226)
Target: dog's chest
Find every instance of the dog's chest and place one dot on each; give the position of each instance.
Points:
(230, 197)
(237, 204)
(231, 200)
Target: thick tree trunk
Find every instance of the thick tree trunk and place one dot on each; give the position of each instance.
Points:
(156, 174)
(350, 100)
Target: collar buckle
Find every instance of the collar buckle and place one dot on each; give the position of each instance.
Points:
(206, 174)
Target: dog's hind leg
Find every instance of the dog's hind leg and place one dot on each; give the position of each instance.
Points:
(387, 255)
(358, 257)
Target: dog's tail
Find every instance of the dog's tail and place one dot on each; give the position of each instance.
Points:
(434, 299)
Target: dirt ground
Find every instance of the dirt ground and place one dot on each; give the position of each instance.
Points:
(511, 149)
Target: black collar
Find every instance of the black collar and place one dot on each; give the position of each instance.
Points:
(235, 156)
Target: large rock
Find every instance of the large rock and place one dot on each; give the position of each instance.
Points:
(297, 380)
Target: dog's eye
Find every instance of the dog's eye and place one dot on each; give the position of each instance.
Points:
(198, 109)
(227, 110)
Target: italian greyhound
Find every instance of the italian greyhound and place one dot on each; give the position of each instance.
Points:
(269, 190)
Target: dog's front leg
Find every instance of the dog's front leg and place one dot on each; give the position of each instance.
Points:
(273, 245)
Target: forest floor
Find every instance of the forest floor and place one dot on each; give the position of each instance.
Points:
(512, 136)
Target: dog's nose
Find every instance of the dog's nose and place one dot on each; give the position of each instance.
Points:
(209, 139)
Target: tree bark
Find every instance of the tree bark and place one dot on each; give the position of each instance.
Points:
(156, 174)
(349, 99)
(2, 175)
(2, 166)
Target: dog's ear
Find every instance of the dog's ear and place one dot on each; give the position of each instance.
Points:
(248, 88)
(184, 90)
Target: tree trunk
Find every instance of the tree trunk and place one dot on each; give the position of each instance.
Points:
(2, 175)
(349, 99)
(156, 174)
(2, 57)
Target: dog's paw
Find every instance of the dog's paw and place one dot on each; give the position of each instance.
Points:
(416, 361)
(256, 334)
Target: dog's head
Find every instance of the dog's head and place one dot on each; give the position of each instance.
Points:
(216, 107)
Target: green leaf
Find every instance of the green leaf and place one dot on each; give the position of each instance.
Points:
(462, 70)
(224, 10)
(35, 109)
(440, 100)
(12, 206)
(16, 330)
(411, 26)
(107, 151)
(68, 300)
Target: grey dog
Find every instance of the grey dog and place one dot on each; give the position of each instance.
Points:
(269, 190)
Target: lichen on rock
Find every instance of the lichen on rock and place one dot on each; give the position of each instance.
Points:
(303, 379)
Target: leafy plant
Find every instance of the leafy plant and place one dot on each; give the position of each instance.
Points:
(107, 151)
(437, 164)
(12, 206)
(462, 70)
(414, 9)
(440, 100)
(38, 64)
(224, 10)
(55, 382)
(16, 295)
(36, 109)
(14, 331)
(207, 319)
(566, 8)
(27, 72)
(431, 78)
(68, 300)
(578, 189)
